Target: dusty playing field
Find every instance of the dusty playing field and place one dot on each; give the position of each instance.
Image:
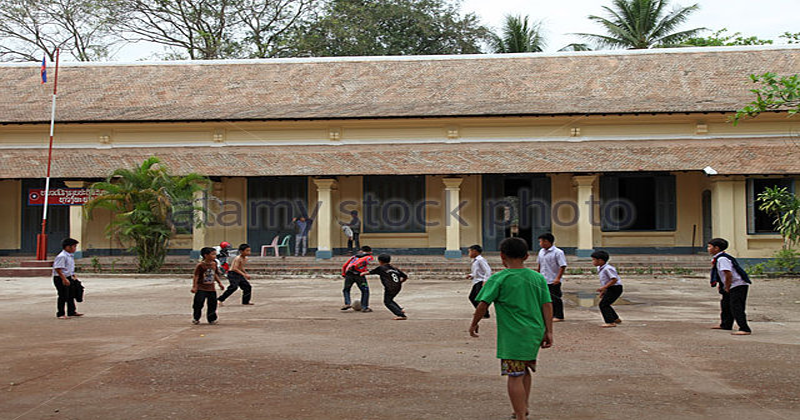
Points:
(295, 355)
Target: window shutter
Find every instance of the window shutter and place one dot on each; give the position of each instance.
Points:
(751, 207)
(609, 192)
(665, 202)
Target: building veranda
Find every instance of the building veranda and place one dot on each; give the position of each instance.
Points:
(628, 151)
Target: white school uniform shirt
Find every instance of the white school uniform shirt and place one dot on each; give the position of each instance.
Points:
(480, 269)
(65, 262)
(607, 272)
(550, 262)
(725, 264)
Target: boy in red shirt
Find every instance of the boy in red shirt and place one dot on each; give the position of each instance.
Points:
(351, 271)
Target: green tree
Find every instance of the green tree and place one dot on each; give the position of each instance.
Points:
(147, 203)
(775, 94)
(721, 38)
(641, 24)
(388, 27)
(784, 206)
(518, 36)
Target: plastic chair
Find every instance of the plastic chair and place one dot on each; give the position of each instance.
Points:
(273, 245)
(284, 244)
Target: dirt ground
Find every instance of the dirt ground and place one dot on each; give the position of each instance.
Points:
(295, 355)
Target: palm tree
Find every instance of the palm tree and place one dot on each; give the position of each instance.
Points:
(641, 24)
(148, 203)
(518, 36)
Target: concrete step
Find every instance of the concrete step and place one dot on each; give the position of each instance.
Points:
(25, 272)
(36, 263)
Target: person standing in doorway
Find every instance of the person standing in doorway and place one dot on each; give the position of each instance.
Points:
(355, 228)
(302, 227)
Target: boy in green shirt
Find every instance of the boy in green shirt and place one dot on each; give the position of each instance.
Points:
(524, 319)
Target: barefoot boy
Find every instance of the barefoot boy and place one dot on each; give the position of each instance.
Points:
(733, 283)
(238, 277)
(392, 280)
(205, 274)
(610, 290)
(524, 319)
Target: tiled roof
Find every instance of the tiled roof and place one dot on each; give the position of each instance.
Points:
(727, 157)
(651, 81)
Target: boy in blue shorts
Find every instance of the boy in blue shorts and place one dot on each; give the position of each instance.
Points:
(524, 319)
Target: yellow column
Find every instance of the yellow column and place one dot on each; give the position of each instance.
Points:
(453, 217)
(198, 233)
(723, 215)
(76, 220)
(586, 208)
(324, 220)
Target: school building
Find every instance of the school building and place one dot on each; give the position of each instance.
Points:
(630, 151)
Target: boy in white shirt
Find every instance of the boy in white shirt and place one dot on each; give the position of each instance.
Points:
(63, 275)
(479, 274)
(552, 264)
(733, 284)
(610, 290)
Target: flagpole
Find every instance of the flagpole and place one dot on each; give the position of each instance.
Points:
(41, 239)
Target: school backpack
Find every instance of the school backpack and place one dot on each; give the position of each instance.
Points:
(715, 277)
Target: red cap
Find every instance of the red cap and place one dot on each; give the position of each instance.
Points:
(224, 244)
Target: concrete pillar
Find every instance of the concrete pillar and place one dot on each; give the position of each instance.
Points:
(586, 197)
(452, 217)
(198, 233)
(324, 220)
(723, 215)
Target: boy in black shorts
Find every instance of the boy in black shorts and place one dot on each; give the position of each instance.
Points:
(392, 280)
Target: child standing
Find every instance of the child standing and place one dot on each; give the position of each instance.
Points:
(552, 264)
(205, 274)
(524, 320)
(479, 274)
(610, 290)
(733, 284)
(351, 271)
(63, 275)
(238, 277)
(392, 280)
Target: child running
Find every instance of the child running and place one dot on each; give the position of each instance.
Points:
(392, 280)
(351, 271)
(479, 274)
(610, 290)
(524, 320)
(238, 277)
(205, 274)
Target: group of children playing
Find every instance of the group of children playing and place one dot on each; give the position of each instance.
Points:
(527, 302)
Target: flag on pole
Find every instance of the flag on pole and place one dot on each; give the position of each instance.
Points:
(44, 69)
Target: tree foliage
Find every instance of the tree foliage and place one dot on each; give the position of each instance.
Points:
(518, 35)
(212, 29)
(721, 38)
(775, 94)
(784, 206)
(640, 24)
(147, 203)
(388, 27)
(30, 29)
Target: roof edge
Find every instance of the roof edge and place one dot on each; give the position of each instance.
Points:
(397, 58)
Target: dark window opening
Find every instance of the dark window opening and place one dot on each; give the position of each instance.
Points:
(759, 220)
(394, 204)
